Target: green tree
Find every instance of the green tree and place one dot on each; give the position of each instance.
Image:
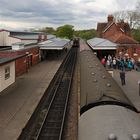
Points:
(65, 31)
(85, 34)
(136, 34)
(48, 30)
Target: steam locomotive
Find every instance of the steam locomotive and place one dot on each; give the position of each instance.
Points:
(76, 42)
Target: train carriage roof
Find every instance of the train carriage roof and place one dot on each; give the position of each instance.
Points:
(100, 122)
(97, 86)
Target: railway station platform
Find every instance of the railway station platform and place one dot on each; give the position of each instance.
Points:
(18, 102)
(131, 88)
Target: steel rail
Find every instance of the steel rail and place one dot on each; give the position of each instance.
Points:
(32, 128)
(66, 105)
(67, 65)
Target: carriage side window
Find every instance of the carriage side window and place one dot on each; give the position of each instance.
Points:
(7, 72)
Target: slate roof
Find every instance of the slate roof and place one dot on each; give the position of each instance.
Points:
(10, 59)
(100, 28)
(122, 39)
(121, 25)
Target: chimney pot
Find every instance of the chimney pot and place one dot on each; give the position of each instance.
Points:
(110, 18)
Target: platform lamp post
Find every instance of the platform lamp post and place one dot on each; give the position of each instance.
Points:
(27, 61)
(139, 86)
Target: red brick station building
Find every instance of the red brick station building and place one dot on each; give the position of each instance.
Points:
(119, 33)
(20, 50)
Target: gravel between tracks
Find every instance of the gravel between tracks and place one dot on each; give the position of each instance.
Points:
(71, 127)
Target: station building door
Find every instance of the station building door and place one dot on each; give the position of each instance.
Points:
(29, 60)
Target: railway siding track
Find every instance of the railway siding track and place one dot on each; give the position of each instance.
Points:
(49, 118)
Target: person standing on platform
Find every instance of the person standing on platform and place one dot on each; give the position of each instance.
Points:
(103, 61)
(122, 77)
(114, 63)
(122, 64)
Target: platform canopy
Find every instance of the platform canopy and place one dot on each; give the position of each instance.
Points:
(54, 44)
(101, 44)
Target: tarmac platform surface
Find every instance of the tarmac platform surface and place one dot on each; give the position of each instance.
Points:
(131, 89)
(18, 101)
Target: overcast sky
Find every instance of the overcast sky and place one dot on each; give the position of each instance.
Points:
(83, 14)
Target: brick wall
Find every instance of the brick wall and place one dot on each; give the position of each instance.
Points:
(111, 31)
(21, 63)
(35, 55)
(130, 51)
(31, 51)
(21, 66)
(137, 51)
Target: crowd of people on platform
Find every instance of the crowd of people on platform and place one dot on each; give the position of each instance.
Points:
(118, 62)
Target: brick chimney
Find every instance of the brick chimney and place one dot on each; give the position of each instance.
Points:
(45, 37)
(39, 37)
(110, 18)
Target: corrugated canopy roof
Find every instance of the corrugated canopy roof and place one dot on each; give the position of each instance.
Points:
(54, 44)
(102, 44)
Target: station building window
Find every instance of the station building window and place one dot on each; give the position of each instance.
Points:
(7, 72)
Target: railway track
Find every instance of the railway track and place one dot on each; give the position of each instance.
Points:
(49, 117)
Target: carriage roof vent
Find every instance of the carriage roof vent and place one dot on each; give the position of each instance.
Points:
(112, 137)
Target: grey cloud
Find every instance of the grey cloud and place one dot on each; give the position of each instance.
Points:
(55, 12)
(126, 4)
